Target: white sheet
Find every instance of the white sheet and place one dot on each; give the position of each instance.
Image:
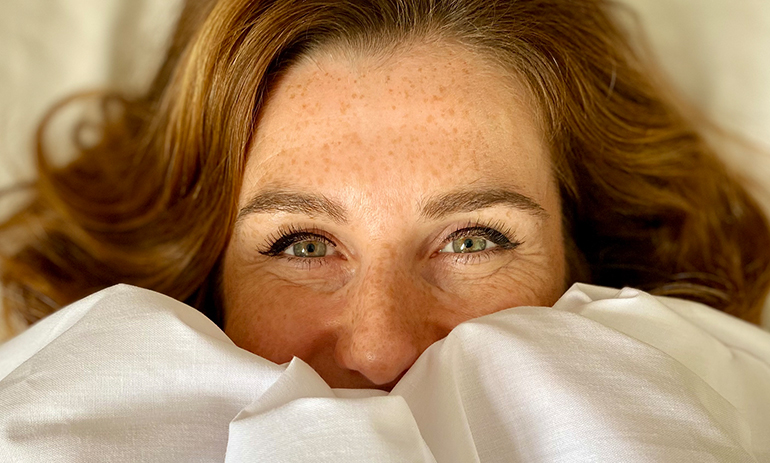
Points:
(130, 375)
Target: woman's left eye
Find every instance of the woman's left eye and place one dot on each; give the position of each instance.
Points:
(475, 239)
(468, 244)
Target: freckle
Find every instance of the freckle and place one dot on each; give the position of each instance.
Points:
(430, 119)
(451, 111)
(291, 97)
(394, 106)
(454, 130)
(406, 94)
(304, 105)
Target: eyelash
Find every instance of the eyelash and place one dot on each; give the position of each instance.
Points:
(497, 233)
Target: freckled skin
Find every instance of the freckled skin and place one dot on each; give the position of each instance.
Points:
(381, 138)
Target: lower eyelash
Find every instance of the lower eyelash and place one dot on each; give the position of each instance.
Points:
(475, 257)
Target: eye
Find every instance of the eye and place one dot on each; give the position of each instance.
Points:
(468, 244)
(299, 243)
(308, 248)
(478, 238)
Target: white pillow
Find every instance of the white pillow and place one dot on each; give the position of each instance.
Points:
(716, 52)
(131, 375)
(54, 48)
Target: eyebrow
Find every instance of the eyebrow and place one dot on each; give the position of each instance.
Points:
(435, 208)
(293, 203)
(471, 200)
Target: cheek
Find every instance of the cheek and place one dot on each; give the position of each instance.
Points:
(534, 275)
(274, 319)
(519, 283)
(268, 314)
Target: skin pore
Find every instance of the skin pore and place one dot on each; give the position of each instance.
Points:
(384, 202)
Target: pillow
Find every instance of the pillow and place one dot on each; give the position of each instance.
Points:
(715, 53)
(605, 375)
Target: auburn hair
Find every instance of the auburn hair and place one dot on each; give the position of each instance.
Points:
(646, 201)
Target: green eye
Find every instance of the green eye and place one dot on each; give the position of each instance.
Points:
(469, 244)
(307, 249)
(478, 239)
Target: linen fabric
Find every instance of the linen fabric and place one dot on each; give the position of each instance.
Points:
(130, 375)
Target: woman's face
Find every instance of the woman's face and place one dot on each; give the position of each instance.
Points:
(384, 202)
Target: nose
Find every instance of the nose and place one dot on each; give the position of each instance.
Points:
(389, 322)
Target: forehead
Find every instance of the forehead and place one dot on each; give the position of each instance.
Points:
(423, 120)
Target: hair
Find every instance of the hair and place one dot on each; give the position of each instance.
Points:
(646, 201)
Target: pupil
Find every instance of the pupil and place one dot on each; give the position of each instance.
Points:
(310, 248)
(468, 243)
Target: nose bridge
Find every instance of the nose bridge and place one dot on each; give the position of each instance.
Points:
(388, 324)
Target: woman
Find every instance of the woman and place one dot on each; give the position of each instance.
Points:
(384, 171)
(342, 184)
